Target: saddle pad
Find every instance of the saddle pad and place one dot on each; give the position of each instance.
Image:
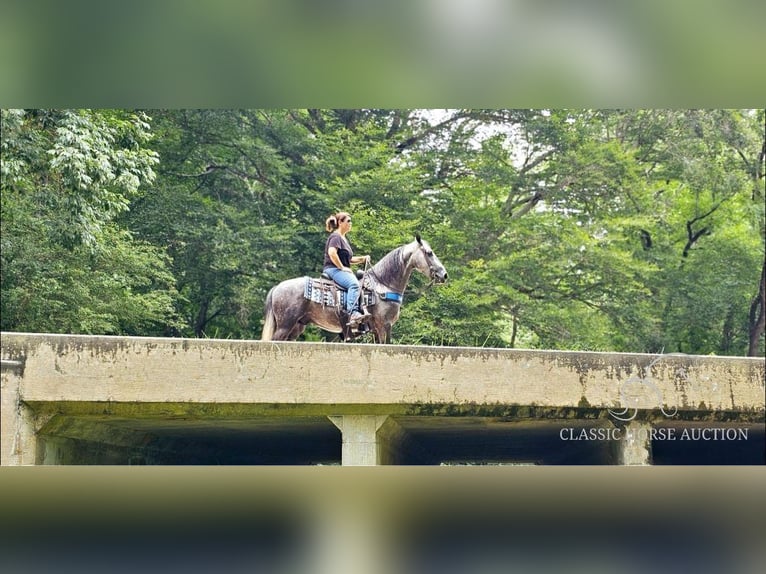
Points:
(326, 292)
(323, 292)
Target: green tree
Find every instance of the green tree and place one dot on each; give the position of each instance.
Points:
(67, 266)
(590, 220)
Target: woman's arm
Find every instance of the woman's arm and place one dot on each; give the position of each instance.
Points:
(332, 253)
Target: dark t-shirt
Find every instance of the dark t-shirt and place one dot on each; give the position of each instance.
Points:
(344, 250)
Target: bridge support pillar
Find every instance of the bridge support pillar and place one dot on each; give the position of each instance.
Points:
(635, 448)
(17, 433)
(361, 444)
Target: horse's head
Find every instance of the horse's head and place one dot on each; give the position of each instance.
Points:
(426, 261)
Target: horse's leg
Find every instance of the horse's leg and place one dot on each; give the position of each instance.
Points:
(378, 328)
(382, 335)
(382, 332)
(282, 334)
(289, 328)
(293, 316)
(296, 331)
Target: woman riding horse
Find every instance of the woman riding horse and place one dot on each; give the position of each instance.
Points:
(338, 258)
(288, 309)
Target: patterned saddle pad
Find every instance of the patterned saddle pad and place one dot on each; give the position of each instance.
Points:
(328, 293)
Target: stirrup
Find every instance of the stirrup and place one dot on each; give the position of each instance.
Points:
(353, 321)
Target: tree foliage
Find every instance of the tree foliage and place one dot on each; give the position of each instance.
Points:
(67, 263)
(625, 230)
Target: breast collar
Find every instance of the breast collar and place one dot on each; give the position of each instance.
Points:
(385, 292)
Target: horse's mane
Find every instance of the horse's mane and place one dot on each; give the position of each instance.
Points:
(391, 266)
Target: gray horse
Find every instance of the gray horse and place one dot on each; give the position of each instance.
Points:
(288, 311)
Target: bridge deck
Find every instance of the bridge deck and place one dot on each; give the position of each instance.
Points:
(52, 383)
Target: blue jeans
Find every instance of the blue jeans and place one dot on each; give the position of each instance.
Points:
(347, 280)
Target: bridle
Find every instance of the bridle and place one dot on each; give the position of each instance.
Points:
(432, 269)
(374, 280)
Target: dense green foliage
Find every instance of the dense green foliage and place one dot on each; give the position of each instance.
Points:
(638, 230)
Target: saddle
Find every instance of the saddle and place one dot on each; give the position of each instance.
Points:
(326, 292)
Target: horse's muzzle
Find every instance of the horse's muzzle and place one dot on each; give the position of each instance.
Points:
(439, 275)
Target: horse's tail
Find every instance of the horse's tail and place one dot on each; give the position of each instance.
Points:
(269, 320)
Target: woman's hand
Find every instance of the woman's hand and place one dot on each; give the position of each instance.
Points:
(360, 259)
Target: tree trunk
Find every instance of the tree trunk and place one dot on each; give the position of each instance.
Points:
(728, 332)
(201, 320)
(514, 329)
(758, 316)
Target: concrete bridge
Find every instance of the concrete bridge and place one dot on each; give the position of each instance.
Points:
(128, 400)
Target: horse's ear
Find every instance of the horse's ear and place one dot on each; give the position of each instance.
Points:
(417, 236)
